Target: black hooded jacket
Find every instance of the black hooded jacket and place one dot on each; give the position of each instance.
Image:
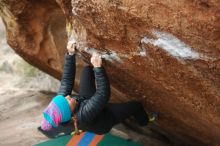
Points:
(92, 114)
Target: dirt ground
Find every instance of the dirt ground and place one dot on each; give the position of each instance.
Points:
(20, 115)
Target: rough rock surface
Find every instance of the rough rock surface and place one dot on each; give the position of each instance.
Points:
(163, 53)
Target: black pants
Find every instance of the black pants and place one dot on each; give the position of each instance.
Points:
(120, 111)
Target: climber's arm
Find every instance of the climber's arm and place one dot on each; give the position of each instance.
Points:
(69, 71)
(99, 100)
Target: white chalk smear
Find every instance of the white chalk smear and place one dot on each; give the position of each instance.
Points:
(110, 56)
(141, 52)
(114, 56)
(74, 12)
(172, 45)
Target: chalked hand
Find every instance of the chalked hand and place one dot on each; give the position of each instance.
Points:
(96, 59)
(71, 47)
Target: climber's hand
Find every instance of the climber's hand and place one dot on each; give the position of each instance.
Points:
(71, 47)
(96, 59)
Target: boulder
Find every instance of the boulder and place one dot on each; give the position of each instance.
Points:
(163, 53)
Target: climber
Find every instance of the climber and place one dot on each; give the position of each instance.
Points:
(90, 109)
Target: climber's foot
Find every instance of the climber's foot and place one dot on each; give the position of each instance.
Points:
(153, 117)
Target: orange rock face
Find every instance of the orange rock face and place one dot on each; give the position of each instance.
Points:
(163, 53)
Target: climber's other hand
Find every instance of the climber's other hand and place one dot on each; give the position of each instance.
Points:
(96, 59)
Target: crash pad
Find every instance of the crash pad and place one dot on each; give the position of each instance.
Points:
(60, 141)
(89, 139)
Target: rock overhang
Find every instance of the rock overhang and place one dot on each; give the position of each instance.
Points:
(165, 54)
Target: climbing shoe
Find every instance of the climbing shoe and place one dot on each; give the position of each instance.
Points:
(153, 117)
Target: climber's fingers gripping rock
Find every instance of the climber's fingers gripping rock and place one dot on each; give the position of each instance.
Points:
(71, 47)
(96, 59)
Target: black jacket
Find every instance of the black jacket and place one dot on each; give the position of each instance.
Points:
(92, 114)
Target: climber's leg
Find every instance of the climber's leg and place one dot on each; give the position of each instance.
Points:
(122, 111)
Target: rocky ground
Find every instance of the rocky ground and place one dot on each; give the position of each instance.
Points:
(20, 116)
